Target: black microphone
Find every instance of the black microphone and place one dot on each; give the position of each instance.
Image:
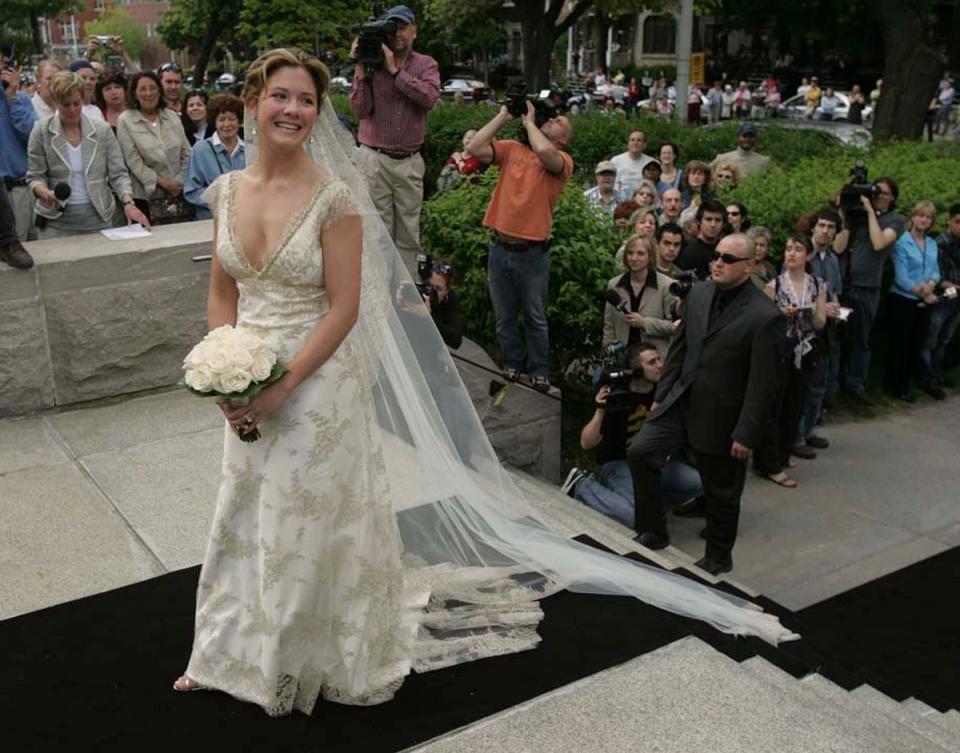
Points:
(62, 192)
(616, 301)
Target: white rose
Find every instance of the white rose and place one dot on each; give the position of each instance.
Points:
(199, 379)
(235, 380)
(215, 335)
(217, 358)
(266, 353)
(261, 367)
(239, 357)
(247, 339)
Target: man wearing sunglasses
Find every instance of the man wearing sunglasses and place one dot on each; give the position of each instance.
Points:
(171, 79)
(712, 400)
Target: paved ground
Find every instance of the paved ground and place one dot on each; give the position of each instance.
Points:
(96, 498)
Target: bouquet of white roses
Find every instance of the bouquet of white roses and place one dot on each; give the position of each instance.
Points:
(232, 363)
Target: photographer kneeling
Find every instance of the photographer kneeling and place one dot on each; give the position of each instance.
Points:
(436, 277)
(620, 413)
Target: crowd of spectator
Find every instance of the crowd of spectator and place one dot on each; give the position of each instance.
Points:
(89, 147)
(827, 286)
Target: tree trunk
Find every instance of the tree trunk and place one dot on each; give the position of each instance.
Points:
(210, 36)
(537, 54)
(912, 66)
(953, 41)
(37, 37)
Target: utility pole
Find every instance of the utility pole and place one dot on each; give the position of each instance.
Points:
(684, 49)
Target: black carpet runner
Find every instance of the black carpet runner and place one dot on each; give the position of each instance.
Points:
(95, 674)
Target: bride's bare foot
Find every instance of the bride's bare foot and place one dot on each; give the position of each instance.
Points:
(184, 683)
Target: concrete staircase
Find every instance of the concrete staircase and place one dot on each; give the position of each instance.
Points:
(688, 697)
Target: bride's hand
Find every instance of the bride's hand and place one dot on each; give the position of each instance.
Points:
(261, 406)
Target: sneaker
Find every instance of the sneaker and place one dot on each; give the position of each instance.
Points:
(575, 476)
(540, 384)
(820, 443)
(803, 451)
(512, 375)
(16, 255)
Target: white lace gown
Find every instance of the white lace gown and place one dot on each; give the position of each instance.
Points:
(301, 593)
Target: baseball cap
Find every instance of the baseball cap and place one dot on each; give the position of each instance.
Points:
(400, 13)
(606, 166)
(747, 129)
(79, 65)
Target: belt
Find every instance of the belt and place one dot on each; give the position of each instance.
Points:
(515, 244)
(14, 182)
(394, 155)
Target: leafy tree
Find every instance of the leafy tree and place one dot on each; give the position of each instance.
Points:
(198, 26)
(320, 28)
(26, 14)
(118, 22)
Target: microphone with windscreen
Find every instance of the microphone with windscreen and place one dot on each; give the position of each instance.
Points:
(616, 301)
(62, 192)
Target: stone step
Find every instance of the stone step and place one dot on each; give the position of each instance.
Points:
(885, 704)
(925, 711)
(951, 720)
(683, 698)
(817, 694)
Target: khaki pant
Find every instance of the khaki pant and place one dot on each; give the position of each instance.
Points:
(396, 187)
(21, 198)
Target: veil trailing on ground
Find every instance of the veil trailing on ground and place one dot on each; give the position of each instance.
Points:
(468, 534)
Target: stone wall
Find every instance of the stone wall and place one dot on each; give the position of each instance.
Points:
(97, 318)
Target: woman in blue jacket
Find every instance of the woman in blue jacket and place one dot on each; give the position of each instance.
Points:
(916, 274)
(221, 153)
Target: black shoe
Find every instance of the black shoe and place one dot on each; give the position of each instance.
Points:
(802, 451)
(907, 397)
(692, 508)
(652, 540)
(714, 567)
(540, 384)
(815, 440)
(935, 391)
(861, 396)
(575, 476)
(16, 255)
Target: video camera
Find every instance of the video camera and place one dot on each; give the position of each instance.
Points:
(858, 185)
(683, 283)
(373, 34)
(516, 96)
(616, 374)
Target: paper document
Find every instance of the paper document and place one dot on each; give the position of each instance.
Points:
(127, 233)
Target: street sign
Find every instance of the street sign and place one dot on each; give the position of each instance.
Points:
(697, 69)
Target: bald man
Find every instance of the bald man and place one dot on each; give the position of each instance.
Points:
(716, 390)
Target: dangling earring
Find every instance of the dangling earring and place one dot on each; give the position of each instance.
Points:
(253, 129)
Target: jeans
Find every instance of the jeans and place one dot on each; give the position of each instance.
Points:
(611, 490)
(8, 220)
(518, 280)
(864, 302)
(823, 381)
(944, 318)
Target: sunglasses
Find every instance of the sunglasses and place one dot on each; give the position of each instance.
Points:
(169, 67)
(728, 258)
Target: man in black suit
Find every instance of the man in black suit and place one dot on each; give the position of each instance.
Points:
(712, 399)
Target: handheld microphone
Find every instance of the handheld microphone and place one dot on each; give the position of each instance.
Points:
(62, 192)
(616, 301)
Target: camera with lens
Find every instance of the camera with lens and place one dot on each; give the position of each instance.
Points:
(373, 35)
(683, 283)
(6, 67)
(516, 96)
(858, 185)
(424, 272)
(616, 374)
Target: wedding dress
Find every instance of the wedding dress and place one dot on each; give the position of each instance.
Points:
(371, 530)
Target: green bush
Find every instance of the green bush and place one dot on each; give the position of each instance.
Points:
(581, 262)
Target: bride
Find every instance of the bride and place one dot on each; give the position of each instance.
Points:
(367, 533)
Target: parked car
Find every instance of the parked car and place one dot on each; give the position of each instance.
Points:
(340, 84)
(225, 83)
(472, 90)
(795, 108)
(848, 134)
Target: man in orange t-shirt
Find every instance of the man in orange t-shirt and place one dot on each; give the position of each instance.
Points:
(532, 176)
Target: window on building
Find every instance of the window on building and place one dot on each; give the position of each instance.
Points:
(660, 35)
(66, 32)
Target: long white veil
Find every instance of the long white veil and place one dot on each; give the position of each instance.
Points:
(464, 524)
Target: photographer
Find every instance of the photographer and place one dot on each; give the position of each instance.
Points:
(532, 176)
(392, 102)
(610, 432)
(440, 300)
(17, 119)
(113, 47)
(874, 228)
(644, 311)
(712, 400)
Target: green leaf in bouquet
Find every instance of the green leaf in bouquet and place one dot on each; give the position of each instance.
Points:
(242, 398)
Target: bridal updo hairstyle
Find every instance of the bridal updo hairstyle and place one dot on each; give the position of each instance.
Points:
(269, 62)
